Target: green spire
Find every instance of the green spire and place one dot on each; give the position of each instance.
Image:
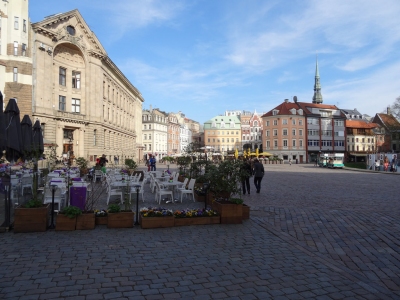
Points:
(317, 98)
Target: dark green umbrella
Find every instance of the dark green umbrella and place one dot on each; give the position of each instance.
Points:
(27, 136)
(2, 126)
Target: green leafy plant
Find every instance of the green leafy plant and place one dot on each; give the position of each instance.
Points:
(33, 203)
(130, 164)
(114, 208)
(71, 211)
(236, 200)
(82, 164)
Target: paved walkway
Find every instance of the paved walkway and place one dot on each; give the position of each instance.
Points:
(314, 233)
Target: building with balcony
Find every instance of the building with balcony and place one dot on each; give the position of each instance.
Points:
(284, 133)
(85, 104)
(223, 133)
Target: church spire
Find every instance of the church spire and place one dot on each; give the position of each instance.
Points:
(317, 98)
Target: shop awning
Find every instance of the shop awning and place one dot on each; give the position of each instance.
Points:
(358, 154)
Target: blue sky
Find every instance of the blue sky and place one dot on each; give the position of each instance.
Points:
(203, 57)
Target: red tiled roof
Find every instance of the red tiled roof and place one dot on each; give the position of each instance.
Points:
(360, 124)
(305, 105)
(283, 108)
(389, 120)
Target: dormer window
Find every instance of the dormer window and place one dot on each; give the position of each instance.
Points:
(293, 111)
(214, 124)
(275, 112)
(300, 112)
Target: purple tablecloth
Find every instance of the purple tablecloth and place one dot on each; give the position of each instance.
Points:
(77, 196)
(77, 179)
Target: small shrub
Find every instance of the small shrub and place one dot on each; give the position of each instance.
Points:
(114, 208)
(71, 211)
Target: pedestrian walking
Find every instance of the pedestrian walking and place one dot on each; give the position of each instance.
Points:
(247, 172)
(258, 171)
(290, 161)
(153, 163)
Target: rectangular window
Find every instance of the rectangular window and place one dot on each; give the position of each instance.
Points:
(293, 121)
(61, 103)
(285, 144)
(275, 122)
(23, 49)
(339, 143)
(275, 132)
(68, 134)
(300, 143)
(267, 133)
(294, 132)
(339, 123)
(16, 23)
(149, 147)
(284, 121)
(275, 143)
(145, 137)
(62, 76)
(76, 80)
(301, 122)
(300, 132)
(268, 144)
(294, 143)
(312, 121)
(15, 48)
(267, 123)
(76, 105)
(285, 132)
(15, 74)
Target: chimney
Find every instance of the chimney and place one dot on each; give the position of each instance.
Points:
(388, 110)
(286, 100)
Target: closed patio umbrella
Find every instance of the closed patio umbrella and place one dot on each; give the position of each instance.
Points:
(2, 126)
(27, 136)
(38, 138)
(13, 131)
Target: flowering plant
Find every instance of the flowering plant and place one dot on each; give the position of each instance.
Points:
(199, 190)
(100, 213)
(155, 212)
(195, 213)
(124, 171)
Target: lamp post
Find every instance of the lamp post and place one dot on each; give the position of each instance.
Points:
(137, 186)
(53, 191)
(206, 186)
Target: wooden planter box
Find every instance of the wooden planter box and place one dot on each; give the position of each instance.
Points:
(31, 219)
(246, 212)
(156, 222)
(197, 221)
(64, 223)
(230, 213)
(101, 220)
(85, 221)
(120, 220)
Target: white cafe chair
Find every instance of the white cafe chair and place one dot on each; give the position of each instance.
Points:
(189, 190)
(160, 191)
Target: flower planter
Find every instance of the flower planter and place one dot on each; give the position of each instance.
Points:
(31, 219)
(120, 220)
(246, 212)
(85, 221)
(156, 222)
(101, 220)
(63, 223)
(230, 213)
(197, 221)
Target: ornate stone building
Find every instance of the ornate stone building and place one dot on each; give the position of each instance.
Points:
(155, 132)
(16, 54)
(84, 102)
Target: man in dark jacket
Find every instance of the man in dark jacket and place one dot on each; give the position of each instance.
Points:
(103, 160)
(258, 171)
(246, 167)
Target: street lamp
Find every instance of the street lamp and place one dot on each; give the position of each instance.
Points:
(53, 191)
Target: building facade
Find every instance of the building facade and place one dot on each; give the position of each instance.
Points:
(16, 55)
(223, 133)
(173, 135)
(185, 137)
(84, 102)
(155, 133)
(390, 132)
(285, 132)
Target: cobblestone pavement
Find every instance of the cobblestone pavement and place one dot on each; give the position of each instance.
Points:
(314, 233)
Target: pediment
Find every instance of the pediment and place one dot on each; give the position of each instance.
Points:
(55, 27)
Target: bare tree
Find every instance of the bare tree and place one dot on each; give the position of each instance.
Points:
(394, 109)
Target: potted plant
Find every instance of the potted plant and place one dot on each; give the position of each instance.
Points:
(196, 217)
(101, 217)
(131, 165)
(225, 182)
(156, 217)
(118, 218)
(66, 219)
(92, 193)
(31, 217)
